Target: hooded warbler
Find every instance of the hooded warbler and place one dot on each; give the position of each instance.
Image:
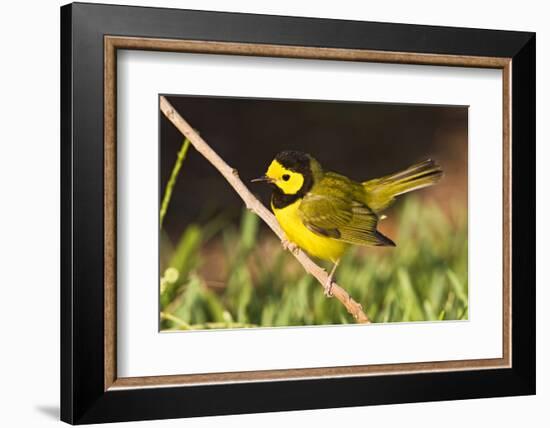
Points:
(323, 212)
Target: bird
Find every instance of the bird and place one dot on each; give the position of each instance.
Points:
(323, 212)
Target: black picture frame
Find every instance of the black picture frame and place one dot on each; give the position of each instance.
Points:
(83, 396)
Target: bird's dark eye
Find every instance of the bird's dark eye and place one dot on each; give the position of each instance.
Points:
(286, 177)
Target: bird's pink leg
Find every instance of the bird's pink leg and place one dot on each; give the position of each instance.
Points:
(289, 246)
(328, 284)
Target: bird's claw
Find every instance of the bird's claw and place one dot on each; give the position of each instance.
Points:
(328, 287)
(289, 246)
(328, 284)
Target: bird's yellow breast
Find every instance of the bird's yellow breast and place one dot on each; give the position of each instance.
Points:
(316, 245)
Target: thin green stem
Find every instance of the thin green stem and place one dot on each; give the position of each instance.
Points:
(218, 325)
(464, 310)
(173, 177)
(176, 320)
(182, 325)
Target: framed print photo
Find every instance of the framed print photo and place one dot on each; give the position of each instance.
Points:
(265, 213)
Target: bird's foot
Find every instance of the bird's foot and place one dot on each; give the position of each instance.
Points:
(328, 286)
(289, 246)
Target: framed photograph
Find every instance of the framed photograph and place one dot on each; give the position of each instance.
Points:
(265, 213)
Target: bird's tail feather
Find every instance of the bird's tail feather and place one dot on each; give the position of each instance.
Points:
(381, 192)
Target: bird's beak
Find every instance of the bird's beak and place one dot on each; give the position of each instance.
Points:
(262, 178)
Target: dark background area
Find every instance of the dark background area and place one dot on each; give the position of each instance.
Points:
(360, 140)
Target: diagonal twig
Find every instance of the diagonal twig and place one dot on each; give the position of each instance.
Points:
(254, 205)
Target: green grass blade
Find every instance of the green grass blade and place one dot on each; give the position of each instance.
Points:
(172, 180)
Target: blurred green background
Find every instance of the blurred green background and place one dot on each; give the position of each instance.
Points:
(221, 267)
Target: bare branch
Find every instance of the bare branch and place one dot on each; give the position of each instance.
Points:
(253, 204)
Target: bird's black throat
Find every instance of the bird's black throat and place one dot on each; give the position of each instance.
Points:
(279, 199)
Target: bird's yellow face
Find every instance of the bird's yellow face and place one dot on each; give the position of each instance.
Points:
(289, 182)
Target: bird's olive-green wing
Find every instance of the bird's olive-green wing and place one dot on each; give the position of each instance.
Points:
(330, 209)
